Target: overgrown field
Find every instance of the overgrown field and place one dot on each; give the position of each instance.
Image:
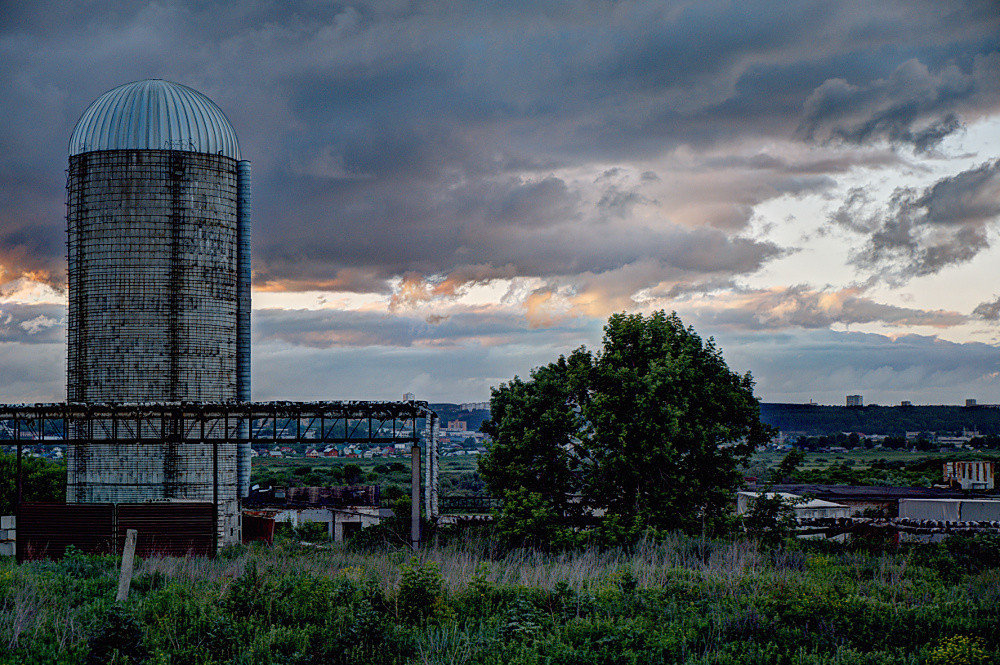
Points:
(676, 600)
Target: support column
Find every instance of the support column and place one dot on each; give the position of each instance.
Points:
(415, 496)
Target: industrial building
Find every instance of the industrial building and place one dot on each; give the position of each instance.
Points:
(158, 221)
(971, 475)
(158, 422)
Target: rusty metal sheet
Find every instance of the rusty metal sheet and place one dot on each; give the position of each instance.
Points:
(258, 527)
(44, 530)
(172, 529)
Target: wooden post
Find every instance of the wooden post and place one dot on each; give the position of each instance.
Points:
(128, 558)
(415, 496)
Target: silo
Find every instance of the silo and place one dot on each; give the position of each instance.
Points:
(158, 219)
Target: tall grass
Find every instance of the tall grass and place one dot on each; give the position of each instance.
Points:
(682, 598)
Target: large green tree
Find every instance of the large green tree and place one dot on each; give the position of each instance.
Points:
(650, 430)
(536, 427)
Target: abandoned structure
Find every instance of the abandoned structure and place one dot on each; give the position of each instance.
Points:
(158, 217)
(158, 420)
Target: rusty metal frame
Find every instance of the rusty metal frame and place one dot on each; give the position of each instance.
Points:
(204, 422)
(230, 422)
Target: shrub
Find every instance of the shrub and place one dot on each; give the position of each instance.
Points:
(116, 637)
(421, 590)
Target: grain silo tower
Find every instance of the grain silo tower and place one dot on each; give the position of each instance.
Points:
(158, 217)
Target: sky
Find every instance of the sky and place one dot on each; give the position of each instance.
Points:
(447, 194)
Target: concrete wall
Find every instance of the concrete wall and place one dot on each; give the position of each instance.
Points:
(8, 535)
(152, 276)
(950, 510)
(153, 299)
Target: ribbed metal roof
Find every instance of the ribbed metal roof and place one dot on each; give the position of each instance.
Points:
(157, 115)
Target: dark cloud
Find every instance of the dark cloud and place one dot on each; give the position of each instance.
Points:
(395, 137)
(330, 328)
(793, 365)
(922, 232)
(988, 311)
(913, 105)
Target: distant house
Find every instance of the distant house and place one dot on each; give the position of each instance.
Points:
(312, 453)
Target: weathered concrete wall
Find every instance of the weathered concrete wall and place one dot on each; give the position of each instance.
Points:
(152, 271)
(152, 276)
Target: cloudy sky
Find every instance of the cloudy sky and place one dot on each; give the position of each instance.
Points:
(447, 194)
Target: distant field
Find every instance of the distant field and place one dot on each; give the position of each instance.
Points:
(863, 458)
(272, 469)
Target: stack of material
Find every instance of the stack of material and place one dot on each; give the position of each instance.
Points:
(7, 535)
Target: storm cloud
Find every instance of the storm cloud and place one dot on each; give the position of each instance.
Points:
(575, 158)
(409, 137)
(922, 232)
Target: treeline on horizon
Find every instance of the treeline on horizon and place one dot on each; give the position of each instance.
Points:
(888, 420)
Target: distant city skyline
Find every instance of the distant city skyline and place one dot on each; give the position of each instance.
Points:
(445, 197)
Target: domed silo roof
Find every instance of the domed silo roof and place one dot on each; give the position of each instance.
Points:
(154, 115)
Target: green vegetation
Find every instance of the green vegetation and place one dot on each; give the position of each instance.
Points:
(651, 431)
(43, 480)
(862, 467)
(675, 600)
(456, 475)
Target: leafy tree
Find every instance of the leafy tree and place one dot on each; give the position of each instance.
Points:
(651, 430)
(789, 464)
(41, 481)
(771, 518)
(671, 424)
(536, 427)
(352, 474)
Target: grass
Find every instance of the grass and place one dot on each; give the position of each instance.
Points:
(676, 599)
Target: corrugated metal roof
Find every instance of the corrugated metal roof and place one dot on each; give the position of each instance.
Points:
(157, 115)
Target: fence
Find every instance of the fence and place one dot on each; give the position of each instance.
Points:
(45, 530)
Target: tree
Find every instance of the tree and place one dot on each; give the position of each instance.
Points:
(671, 424)
(788, 465)
(650, 430)
(41, 481)
(536, 427)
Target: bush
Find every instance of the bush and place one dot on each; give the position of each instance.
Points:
(421, 591)
(116, 637)
(957, 650)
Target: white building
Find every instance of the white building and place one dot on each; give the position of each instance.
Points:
(802, 507)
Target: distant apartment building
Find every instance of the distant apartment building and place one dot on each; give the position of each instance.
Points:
(457, 426)
(475, 406)
(854, 400)
(976, 475)
(409, 397)
(970, 402)
(906, 402)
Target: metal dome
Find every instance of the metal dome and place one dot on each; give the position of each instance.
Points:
(154, 115)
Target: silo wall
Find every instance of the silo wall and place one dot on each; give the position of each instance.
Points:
(152, 256)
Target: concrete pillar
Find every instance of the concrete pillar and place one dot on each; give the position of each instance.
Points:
(415, 497)
(338, 528)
